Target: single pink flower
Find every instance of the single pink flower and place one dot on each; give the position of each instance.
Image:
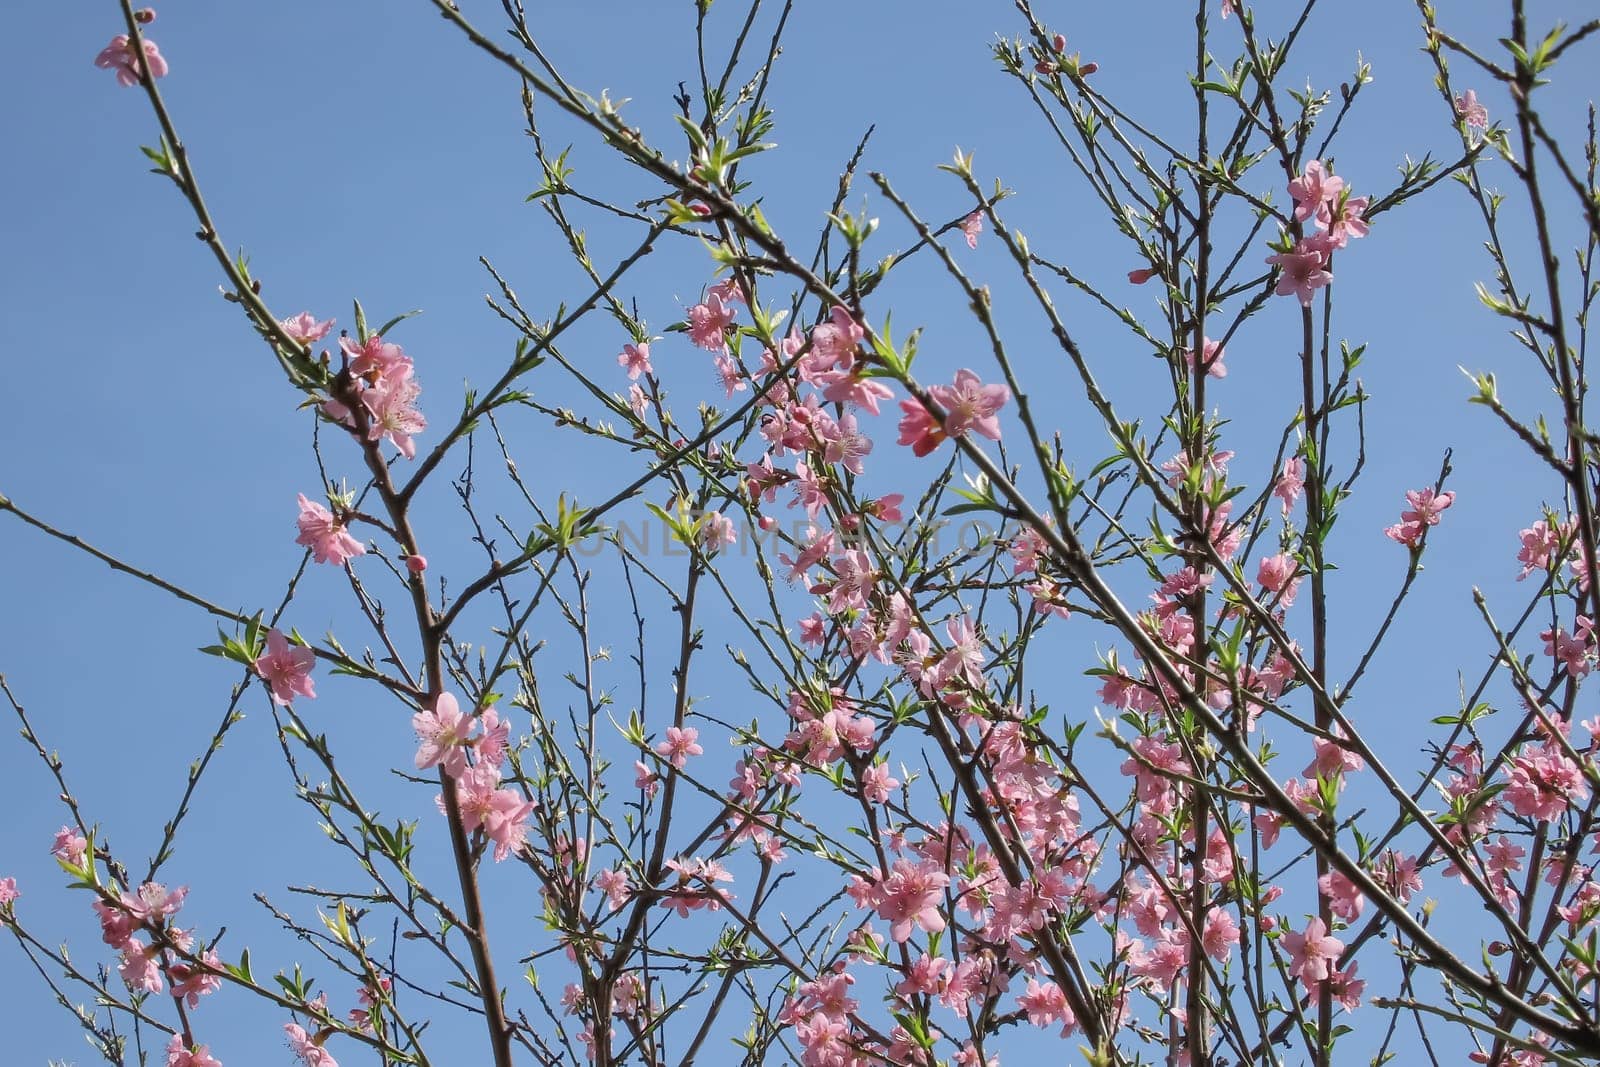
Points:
(308, 1047)
(1344, 899)
(614, 884)
(376, 358)
(1211, 356)
(286, 669)
(679, 745)
(709, 323)
(1313, 953)
(305, 328)
(635, 359)
(328, 540)
(122, 57)
(70, 846)
(877, 785)
(1313, 189)
(1473, 113)
(971, 406)
(971, 226)
(1291, 482)
(180, 1055)
(918, 428)
(442, 731)
(8, 892)
(393, 413)
(1303, 269)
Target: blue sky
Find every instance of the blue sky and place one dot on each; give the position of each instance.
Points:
(360, 149)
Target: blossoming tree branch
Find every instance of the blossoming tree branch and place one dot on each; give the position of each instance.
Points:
(807, 782)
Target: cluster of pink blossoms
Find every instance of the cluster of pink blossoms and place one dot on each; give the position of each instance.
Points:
(1324, 200)
(384, 377)
(473, 763)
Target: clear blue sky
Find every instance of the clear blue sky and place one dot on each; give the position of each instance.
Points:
(362, 149)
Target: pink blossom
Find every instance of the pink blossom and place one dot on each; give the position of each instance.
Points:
(139, 967)
(918, 428)
(718, 532)
(1291, 482)
(1542, 782)
(1539, 543)
(614, 884)
(391, 403)
(305, 328)
(505, 822)
(1347, 988)
(328, 540)
(635, 359)
(910, 896)
(122, 57)
(971, 227)
(877, 785)
(1344, 219)
(1304, 269)
(1344, 899)
(286, 669)
(1313, 953)
(834, 343)
(442, 731)
(308, 1047)
(1473, 113)
(192, 981)
(1045, 1004)
(644, 778)
(8, 892)
(70, 847)
(1426, 507)
(1211, 356)
(376, 358)
(1314, 189)
(1276, 574)
(971, 405)
(679, 745)
(1397, 873)
(1220, 934)
(730, 375)
(638, 403)
(179, 1055)
(709, 323)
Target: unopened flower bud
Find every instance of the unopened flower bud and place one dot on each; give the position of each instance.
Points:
(1498, 948)
(145, 16)
(1059, 42)
(1087, 69)
(416, 564)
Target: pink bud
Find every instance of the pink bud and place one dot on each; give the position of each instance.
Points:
(1059, 42)
(145, 16)
(767, 522)
(416, 564)
(1139, 277)
(1043, 67)
(1087, 69)
(700, 209)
